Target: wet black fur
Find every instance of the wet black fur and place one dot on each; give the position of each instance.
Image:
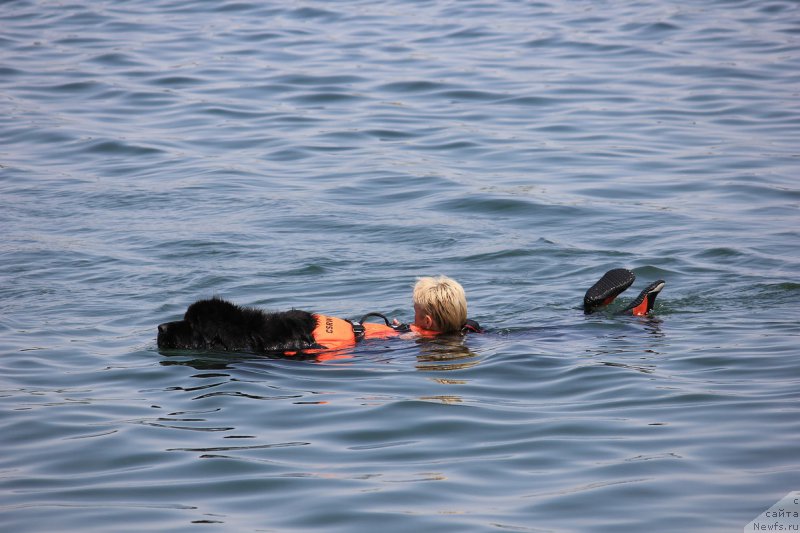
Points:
(217, 324)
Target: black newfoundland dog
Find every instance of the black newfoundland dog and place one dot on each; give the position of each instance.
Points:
(217, 324)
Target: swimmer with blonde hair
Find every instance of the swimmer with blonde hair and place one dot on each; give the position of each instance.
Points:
(440, 305)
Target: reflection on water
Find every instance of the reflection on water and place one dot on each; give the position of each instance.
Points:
(447, 399)
(447, 352)
(200, 363)
(645, 369)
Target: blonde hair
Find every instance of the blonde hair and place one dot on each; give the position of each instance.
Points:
(444, 300)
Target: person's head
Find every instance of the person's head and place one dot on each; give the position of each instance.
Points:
(439, 304)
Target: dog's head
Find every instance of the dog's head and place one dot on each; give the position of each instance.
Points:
(176, 335)
(207, 324)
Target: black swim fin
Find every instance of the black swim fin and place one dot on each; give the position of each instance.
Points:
(607, 288)
(643, 303)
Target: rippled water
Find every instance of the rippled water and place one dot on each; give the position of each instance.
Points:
(321, 155)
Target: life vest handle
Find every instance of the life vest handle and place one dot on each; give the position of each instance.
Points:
(402, 328)
(470, 326)
(378, 315)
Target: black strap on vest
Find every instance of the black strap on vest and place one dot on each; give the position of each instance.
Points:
(358, 330)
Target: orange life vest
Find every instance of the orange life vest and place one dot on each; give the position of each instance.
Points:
(336, 334)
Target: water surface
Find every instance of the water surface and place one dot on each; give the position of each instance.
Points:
(321, 155)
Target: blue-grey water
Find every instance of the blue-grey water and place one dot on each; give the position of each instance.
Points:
(322, 155)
